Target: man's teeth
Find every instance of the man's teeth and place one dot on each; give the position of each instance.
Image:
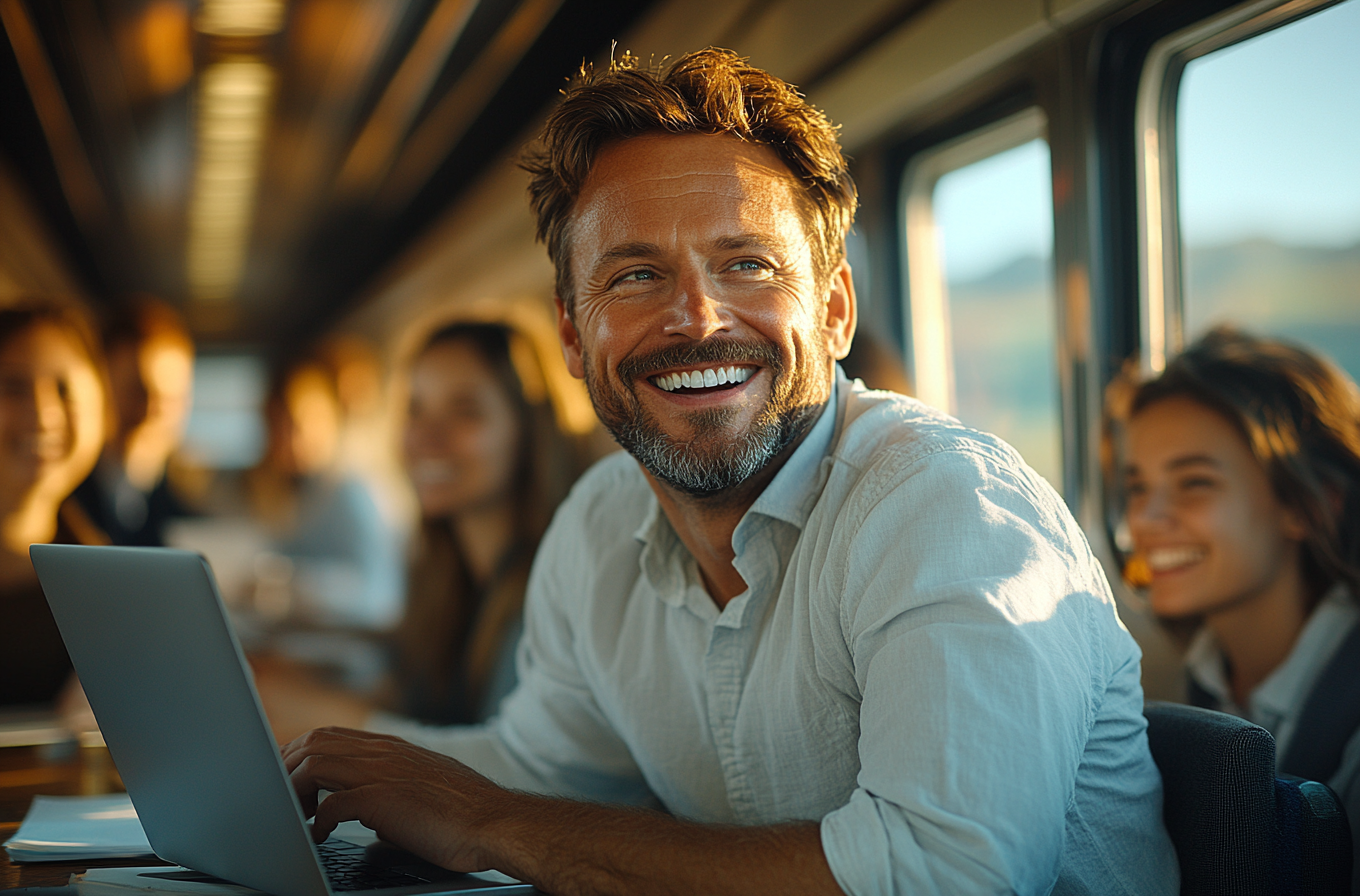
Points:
(700, 379)
(1163, 559)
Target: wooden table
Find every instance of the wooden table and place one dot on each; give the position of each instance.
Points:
(26, 772)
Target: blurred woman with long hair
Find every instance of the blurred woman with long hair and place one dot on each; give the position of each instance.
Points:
(1243, 503)
(52, 423)
(489, 464)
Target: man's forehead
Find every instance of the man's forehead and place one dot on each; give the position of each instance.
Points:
(664, 165)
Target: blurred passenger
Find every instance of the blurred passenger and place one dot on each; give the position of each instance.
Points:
(338, 564)
(1243, 488)
(150, 357)
(489, 465)
(365, 446)
(52, 417)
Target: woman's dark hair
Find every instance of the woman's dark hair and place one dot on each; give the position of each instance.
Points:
(1300, 416)
(20, 316)
(453, 629)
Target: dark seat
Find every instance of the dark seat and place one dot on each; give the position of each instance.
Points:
(1237, 827)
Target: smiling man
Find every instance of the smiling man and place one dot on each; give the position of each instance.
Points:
(839, 641)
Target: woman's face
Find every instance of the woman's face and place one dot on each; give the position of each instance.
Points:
(462, 434)
(1202, 513)
(51, 415)
(312, 421)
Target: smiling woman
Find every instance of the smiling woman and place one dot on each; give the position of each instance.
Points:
(489, 465)
(52, 415)
(1243, 487)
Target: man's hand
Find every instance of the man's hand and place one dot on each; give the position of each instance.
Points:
(444, 812)
(427, 803)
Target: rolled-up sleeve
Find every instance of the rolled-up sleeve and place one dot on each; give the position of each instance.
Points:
(979, 651)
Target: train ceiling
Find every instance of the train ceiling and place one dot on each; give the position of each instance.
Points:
(258, 162)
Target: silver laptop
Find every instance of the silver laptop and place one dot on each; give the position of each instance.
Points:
(175, 700)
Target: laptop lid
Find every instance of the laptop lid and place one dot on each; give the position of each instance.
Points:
(168, 682)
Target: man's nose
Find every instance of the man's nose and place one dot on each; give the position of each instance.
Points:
(697, 312)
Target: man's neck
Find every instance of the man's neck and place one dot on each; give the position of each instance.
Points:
(705, 524)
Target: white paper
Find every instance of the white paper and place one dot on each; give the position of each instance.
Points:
(66, 828)
(162, 879)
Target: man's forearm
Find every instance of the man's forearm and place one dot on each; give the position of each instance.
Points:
(445, 812)
(569, 848)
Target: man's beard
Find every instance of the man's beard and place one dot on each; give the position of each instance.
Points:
(711, 461)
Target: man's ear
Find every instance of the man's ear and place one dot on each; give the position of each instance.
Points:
(570, 339)
(841, 313)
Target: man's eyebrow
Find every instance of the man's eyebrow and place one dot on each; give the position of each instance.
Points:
(750, 240)
(736, 241)
(628, 250)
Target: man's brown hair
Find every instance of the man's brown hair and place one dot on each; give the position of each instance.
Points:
(707, 92)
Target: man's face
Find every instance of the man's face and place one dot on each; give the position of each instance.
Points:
(699, 325)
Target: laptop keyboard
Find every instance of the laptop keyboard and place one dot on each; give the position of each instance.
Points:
(347, 869)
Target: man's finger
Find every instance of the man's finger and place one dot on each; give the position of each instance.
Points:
(348, 741)
(344, 805)
(318, 740)
(322, 772)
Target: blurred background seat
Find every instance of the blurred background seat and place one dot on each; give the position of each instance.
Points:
(1236, 826)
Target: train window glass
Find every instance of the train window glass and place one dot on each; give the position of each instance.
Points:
(226, 425)
(1268, 185)
(979, 228)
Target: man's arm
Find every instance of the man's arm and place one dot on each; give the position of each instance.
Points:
(448, 814)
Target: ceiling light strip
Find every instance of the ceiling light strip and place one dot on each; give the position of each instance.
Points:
(233, 106)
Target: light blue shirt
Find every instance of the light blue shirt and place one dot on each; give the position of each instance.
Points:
(927, 662)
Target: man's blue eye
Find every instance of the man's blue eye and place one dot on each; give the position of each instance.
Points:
(638, 275)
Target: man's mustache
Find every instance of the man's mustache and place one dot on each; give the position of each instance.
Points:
(698, 354)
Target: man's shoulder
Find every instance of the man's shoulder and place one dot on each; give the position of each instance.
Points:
(612, 495)
(892, 432)
(908, 465)
(615, 476)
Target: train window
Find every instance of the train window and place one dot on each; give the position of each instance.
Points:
(1268, 184)
(226, 425)
(979, 231)
(1248, 125)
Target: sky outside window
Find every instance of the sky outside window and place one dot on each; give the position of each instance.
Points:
(1268, 181)
(994, 222)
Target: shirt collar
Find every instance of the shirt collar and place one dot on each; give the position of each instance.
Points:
(1284, 689)
(790, 497)
(1204, 662)
(793, 492)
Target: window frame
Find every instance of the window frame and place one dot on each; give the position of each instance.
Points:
(926, 320)
(1161, 286)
